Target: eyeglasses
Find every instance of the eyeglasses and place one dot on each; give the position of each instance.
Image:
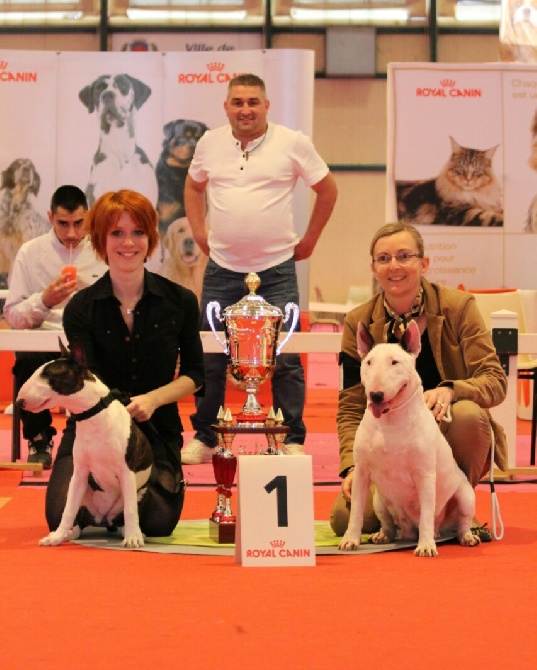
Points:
(402, 258)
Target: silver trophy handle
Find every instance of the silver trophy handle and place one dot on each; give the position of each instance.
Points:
(290, 307)
(215, 305)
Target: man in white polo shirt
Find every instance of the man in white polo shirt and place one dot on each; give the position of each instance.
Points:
(241, 180)
(38, 292)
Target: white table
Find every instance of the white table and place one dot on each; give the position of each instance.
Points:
(311, 342)
(330, 307)
(47, 340)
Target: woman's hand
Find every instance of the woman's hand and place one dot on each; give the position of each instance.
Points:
(438, 401)
(141, 407)
(346, 485)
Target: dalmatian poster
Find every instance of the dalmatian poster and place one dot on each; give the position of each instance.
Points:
(462, 168)
(111, 120)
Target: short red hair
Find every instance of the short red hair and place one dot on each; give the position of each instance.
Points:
(104, 214)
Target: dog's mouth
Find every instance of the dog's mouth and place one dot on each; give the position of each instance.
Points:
(190, 259)
(32, 407)
(380, 406)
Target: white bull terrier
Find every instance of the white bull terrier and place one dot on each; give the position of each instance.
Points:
(419, 487)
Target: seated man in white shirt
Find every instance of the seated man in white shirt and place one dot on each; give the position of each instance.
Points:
(38, 293)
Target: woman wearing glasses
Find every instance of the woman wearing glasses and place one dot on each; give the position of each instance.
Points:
(457, 364)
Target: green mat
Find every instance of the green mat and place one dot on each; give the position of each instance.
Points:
(192, 537)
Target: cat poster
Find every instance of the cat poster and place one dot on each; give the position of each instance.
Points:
(462, 168)
(448, 153)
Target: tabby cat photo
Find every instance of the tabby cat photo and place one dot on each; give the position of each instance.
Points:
(465, 193)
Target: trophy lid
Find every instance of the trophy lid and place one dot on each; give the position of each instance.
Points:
(253, 304)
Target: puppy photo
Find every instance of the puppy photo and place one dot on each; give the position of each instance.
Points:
(118, 161)
(419, 488)
(19, 220)
(184, 262)
(112, 458)
(180, 140)
(518, 31)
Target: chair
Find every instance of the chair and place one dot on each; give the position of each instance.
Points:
(511, 300)
(322, 318)
(358, 294)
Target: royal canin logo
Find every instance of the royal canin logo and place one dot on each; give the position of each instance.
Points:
(447, 89)
(215, 74)
(7, 75)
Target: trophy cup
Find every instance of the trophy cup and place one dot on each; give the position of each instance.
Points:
(252, 327)
(222, 521)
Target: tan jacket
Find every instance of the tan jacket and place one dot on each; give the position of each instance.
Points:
(463, 351)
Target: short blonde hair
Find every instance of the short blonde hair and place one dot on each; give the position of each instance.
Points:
(104, 214)
(399, 227)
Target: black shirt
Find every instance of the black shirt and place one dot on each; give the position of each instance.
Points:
(165, 326)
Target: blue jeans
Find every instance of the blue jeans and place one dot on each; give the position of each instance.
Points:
(278, 287)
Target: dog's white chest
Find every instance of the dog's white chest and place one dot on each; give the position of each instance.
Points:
(104, 458)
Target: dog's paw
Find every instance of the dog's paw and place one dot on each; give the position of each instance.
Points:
(468, 539)
(381, 537)
(133, 540)
(53, 539)
(349, 543)
(426, 548)
(74, 533)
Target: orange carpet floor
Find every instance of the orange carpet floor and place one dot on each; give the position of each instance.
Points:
(75, 607)
(78, 607)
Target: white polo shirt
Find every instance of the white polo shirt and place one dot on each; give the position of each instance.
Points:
(250, 194)
(37, 263)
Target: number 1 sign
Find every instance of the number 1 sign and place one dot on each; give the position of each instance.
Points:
(275, 521)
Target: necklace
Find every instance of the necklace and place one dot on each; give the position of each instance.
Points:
(247, 153)
(129, 311)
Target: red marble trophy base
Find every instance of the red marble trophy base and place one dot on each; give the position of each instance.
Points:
(222, 533)
(254, 420)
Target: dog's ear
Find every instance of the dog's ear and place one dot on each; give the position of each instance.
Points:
(87, 98)
(36, 181)
(364, 340)
(170, 130)
(77, 353)
(411, 339)
(8, 175)
(90, 94)
(141, 91)
(64, 352)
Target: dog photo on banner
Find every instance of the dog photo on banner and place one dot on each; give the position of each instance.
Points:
(26, 153)
(518, 31)
(181, 260)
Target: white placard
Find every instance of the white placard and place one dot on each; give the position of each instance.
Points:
(275, 520)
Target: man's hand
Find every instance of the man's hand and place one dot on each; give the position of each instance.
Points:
(58, 291)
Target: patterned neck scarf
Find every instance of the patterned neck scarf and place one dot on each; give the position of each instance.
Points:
(396, 324)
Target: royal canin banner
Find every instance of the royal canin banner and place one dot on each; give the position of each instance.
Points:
(462, 167)
(62, 112)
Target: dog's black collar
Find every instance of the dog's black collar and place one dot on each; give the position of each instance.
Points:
(92, 411)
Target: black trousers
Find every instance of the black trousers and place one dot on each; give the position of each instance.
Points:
(26, 363)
